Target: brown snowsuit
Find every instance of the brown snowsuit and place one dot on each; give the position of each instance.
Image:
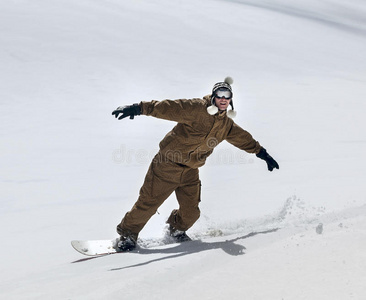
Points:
(182, 151)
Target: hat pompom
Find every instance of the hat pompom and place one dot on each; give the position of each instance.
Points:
(212, 110)
(231, 114)
(229, 80)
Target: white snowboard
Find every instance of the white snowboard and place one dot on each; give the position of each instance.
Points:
(95, 247)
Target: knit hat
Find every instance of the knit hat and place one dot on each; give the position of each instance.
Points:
(225, 85)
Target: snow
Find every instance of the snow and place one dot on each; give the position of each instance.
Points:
(69, 170)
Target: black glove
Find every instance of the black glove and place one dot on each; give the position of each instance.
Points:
(271, 163)
(128, 110)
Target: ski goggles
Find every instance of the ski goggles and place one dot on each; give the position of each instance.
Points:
(223, 93)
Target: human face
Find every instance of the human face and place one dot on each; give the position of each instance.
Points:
(222, 103)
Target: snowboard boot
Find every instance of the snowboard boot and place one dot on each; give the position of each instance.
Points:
(178, 235)
(127, 240)
(125, 243)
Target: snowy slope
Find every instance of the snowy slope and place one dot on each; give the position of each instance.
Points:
(70, 171)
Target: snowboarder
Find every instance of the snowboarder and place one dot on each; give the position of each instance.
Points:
(202, 125)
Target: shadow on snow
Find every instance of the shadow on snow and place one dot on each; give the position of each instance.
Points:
(183, 249)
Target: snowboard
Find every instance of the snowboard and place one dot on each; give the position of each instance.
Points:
(104, 247)
(95, 247)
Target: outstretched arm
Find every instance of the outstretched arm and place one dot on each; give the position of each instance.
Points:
(181, 110)
(244, 141)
